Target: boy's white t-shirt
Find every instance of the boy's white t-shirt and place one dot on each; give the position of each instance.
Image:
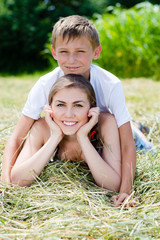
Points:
(107, 87)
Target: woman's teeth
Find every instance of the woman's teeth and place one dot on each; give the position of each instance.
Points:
(69, 123)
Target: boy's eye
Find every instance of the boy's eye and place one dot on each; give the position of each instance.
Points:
(81, 51)
(63, 51)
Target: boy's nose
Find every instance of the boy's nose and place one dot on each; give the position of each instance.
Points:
(72, 58)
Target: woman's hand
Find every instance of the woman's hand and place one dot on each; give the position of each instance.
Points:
(49, 119)
(124, 198)
(93, 114)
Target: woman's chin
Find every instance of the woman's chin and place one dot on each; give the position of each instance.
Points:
(69, 132)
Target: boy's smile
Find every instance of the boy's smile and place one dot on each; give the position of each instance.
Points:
(76, 55)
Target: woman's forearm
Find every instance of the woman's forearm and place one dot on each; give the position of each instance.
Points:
(9, 157)
(25, 173)
(13, 146)
(103, 174)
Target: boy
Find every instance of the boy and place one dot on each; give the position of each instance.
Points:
(75, 43)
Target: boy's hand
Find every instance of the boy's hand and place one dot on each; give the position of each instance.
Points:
(93, 114)
(49, 119)
(125, 198)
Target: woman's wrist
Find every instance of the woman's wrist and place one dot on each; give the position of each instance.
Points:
(56, 137)
(82, 139)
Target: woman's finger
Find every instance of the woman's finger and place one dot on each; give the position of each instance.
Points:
(93, 111)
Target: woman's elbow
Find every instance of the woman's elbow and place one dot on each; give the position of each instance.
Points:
(17, 179)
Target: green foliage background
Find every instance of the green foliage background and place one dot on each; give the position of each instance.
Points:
(23, 27)
(130, 40)
(129, 37)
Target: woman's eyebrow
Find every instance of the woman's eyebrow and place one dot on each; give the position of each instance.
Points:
(78, 101)
(60, 101)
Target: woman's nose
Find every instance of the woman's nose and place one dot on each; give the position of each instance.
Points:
(69, 112)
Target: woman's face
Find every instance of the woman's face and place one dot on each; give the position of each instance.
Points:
(70, 109)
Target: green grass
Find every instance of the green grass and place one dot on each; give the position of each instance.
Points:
(65, 203)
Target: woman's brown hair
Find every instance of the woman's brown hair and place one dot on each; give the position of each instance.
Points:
(73, 81)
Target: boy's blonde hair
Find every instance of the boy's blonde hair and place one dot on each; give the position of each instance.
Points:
(73, 81)
(75, 26)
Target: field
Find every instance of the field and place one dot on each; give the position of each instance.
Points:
(65, 203)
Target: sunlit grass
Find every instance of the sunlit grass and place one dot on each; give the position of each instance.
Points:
(65, 203)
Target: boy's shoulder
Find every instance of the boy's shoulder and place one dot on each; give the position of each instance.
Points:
(101, 75)
(51, 76)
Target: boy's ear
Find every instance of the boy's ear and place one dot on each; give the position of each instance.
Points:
(53, 52)
(97, 52)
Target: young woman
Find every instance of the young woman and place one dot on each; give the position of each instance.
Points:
(66, 132)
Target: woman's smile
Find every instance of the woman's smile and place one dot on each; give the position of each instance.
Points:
(70, 109)
(68, 123)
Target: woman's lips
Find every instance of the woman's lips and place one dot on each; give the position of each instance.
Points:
(69, 123)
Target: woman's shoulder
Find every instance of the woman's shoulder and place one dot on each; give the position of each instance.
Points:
(41, 128)
(41, 122)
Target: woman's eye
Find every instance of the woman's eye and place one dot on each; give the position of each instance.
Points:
(78, 105)
(60, 105)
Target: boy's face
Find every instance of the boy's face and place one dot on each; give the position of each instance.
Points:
(76, 55)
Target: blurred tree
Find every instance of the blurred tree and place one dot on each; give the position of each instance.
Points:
(62, 8)
(24, 26)
(128, 4)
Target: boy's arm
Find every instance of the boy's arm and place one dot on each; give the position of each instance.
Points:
(128, 152)
(13, 146)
